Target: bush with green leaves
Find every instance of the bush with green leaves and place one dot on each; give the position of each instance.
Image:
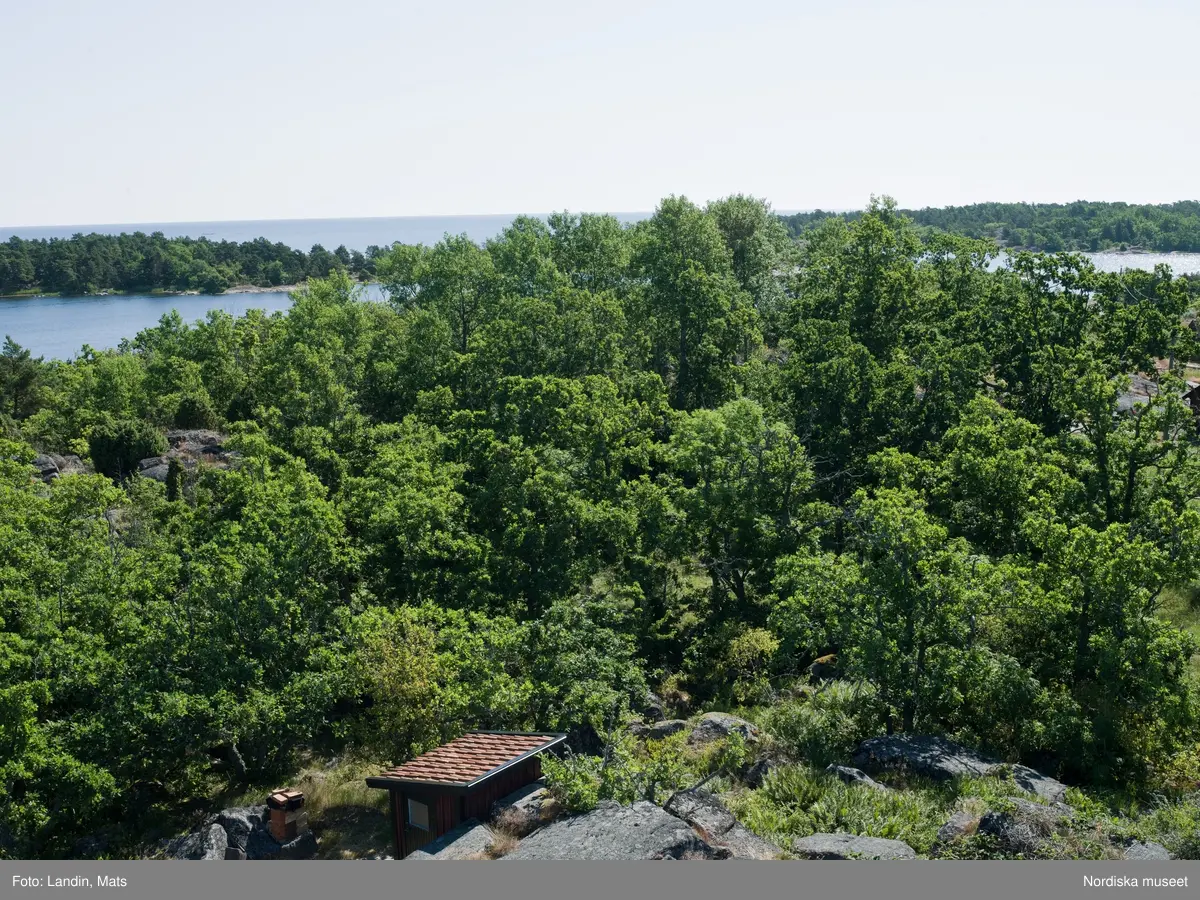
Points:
(116, 447)
(630, 769)
(195, 410)
(1173, 823)
(824, 725)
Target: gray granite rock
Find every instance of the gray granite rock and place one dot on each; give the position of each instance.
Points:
(209, 842)
(523, 810)
(927, 755)
(470, 840)
(304, 846)
(850, 846)
(718, 826)
(757, 772)
(196, 440)
(713, 726)
(240, 821)
(851, 775)
(261, 844)
(654, 710)
(240, 828)
(659, 730)
(1035, 782)
(1147, 850)
(959, 825)
(45, 467)
(938, 758)
(702, 811)
(742, 843)
(49, 466)
(69, 464)
(612, 831)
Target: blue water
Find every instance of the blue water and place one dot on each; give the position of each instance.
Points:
(302, 234)
(58, 327)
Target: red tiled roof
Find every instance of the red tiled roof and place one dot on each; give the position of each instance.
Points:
(468, 758)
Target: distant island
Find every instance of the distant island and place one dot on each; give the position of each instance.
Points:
(1052, 227)
(139, 262)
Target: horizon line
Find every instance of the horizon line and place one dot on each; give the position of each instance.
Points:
(508, 215)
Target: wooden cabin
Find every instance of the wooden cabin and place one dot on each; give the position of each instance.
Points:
(441, 789)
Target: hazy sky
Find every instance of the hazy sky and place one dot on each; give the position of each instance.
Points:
(160, 111)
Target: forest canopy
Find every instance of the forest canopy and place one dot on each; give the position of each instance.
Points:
(584, 460)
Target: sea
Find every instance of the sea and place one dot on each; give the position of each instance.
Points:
(61, 327)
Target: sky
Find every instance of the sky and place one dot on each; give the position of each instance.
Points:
(130, 111)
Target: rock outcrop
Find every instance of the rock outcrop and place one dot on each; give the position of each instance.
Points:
(959, 825)
(1146, 850)
(742, 843)
(49, 466)
(933, 757)
(1035, 782)
(756, 773)
(209, 842)
(938, 758)
(659, 730)
(713, 726)
(470, 840)
(189, 447)
(654, 709)
(703, 811)
(243, 828)
(612, 831)
(719, 827)
(851, 775)
(850, 846)
(524, 810)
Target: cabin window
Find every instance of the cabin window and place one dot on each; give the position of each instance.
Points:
(418, 815)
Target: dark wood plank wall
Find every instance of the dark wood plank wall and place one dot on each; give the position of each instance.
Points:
(478, 803)
(447, 811)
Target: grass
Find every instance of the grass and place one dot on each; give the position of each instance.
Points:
(796, 801)
(503, 843)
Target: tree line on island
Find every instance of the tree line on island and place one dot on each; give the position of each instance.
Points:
(91, 263)
(584, 460)
(1053, 227)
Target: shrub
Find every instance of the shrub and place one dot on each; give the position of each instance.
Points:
(1181, 774)
(747, 663)
(826, 726)
(1175, 825)
(574, 781)
(630, 771)
(195, 411)
(117, 447)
